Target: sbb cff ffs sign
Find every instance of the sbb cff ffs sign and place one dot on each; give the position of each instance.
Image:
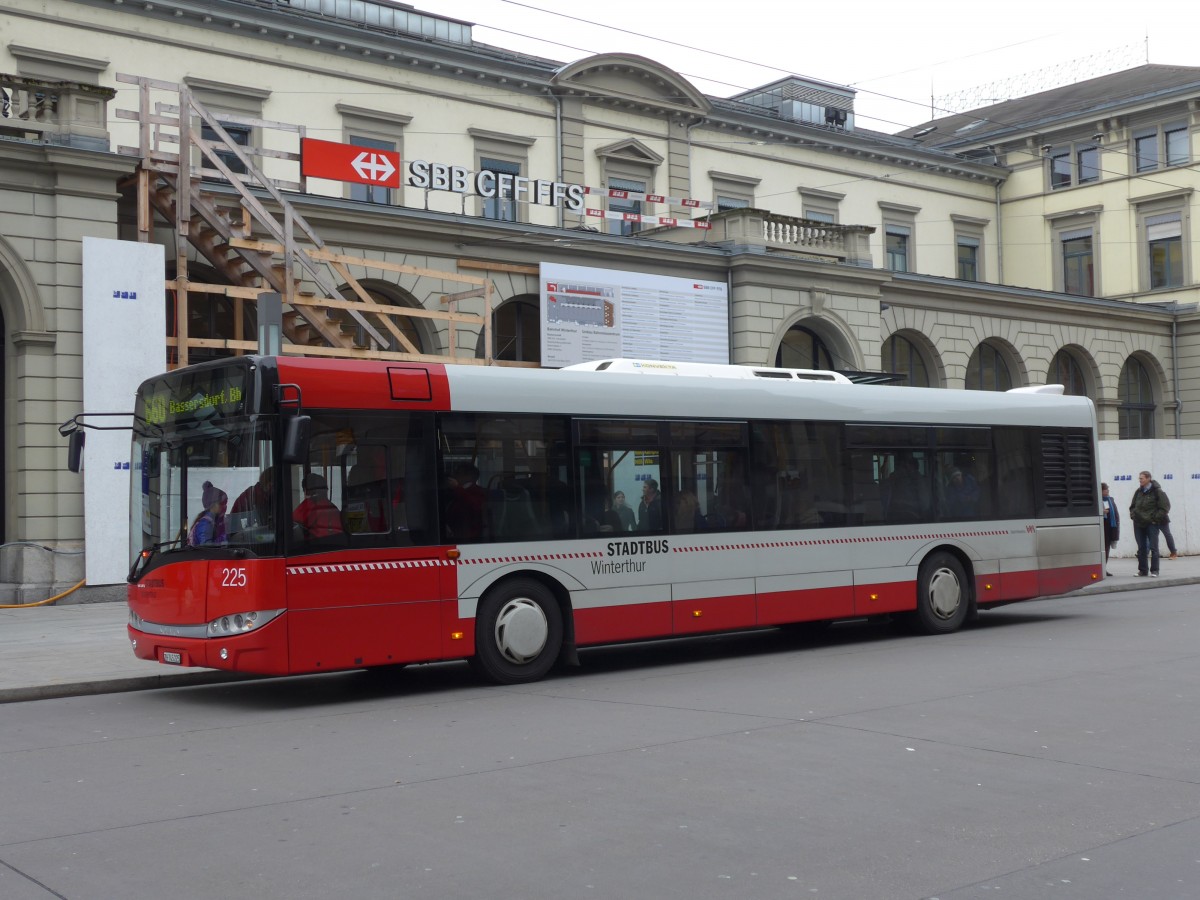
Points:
(345, 162)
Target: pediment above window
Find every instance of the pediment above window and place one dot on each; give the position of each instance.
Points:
(625, 79)
(630, 150)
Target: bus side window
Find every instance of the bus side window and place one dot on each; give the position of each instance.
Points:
(797, 475)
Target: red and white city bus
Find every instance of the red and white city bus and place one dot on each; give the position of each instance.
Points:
(380, 514)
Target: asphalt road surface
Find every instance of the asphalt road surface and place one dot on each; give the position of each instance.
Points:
(1050, 750)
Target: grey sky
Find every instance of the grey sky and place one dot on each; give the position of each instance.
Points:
(895, 56)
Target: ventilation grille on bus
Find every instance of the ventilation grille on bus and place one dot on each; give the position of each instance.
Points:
(1068, 475)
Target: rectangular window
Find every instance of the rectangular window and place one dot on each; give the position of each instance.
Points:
(1164, 238)
(239, 134)
(1060, 170)
(731, 203)
(371, 193)
(1014, 473)
(1145, 151)
(708, 491)
(968, 259)
(897, 247)
(501, 207)
(1176, 140)
(817, 216)
(1087, 165)
(367, 482)
(797, 479)
(625, 205)
(963, 481)
(505, 478)
(1078, 263)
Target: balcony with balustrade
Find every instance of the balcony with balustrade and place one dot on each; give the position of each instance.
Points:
(65, 113)
(760, 231)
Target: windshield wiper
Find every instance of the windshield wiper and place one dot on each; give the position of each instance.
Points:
(142, 561)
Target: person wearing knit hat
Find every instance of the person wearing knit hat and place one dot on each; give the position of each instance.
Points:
(209, 526)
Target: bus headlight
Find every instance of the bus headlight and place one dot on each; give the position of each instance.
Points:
(242, 622)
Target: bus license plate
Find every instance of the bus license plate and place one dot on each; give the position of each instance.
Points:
(172, 656)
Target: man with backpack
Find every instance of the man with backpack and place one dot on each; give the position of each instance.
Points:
(1147, 512)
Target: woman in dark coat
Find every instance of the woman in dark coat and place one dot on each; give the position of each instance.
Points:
(1112, 523)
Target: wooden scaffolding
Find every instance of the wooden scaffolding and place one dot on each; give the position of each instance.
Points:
(255, 238)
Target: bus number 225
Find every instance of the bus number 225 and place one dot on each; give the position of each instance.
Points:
(233, 577)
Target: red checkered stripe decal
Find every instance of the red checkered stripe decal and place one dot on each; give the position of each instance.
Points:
(535, 557)
(369, 566)
(333, 568)
(826, 542)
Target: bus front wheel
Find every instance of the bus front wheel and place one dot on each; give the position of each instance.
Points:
(943, 594)
(518, 632)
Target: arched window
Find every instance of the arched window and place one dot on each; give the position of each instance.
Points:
(406, 325)
(516, 331)
(802, 348)
(1065, 370)
(1135, 402)
(900, 355)
(987, 370)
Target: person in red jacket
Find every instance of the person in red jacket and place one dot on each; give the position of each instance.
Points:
(316, 513)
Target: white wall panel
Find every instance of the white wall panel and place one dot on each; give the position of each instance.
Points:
(124, 324)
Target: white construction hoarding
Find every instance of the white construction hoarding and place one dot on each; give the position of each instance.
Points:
(124, 343)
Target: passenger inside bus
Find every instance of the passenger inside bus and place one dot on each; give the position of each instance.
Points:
(619, 515)
(962, 495)
(650, 517)
(366, 491)
(253, 507)
(688, 517)
(317, 514)
(732, 503)
(905, 493)
(209, 525)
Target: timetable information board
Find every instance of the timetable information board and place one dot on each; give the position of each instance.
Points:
(590, 314)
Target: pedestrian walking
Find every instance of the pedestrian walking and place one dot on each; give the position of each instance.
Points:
(1149, 508)
(1112, 523)
(1168, 537)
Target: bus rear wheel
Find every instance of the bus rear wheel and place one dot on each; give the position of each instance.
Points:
(518, 632)
(943, 594)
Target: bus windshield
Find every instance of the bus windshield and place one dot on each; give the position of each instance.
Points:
(204, 489)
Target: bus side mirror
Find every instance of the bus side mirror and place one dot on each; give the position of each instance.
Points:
(296, 434)
(75, 451)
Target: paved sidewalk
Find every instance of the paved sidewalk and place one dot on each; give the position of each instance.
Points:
(71, 649)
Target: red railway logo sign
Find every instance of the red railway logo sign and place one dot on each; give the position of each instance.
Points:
(345, 162)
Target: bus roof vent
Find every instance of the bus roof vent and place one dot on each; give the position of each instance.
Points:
(803, 375)
(1037, 389)
(705, 370)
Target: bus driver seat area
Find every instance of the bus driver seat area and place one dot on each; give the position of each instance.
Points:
(366, 506)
